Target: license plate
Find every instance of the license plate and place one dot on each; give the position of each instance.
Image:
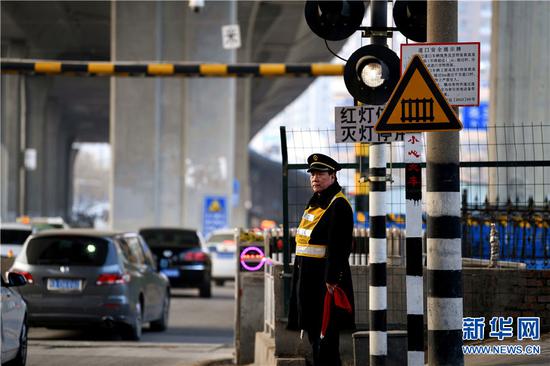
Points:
(170, 272)
(64, 284)
(226, 255)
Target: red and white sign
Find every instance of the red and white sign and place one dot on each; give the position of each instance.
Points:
(413, 147)
(454, 66)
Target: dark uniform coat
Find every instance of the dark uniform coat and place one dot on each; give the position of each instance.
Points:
(335, 229)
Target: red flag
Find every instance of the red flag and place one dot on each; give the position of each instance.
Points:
(326, 313)
(340, 300)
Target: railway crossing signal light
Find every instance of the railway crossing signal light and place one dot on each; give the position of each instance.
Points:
(371, 74)
(410, 17)
(334, 20)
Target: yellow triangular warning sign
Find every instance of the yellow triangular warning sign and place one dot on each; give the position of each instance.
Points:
(214, 206)
(417, 104)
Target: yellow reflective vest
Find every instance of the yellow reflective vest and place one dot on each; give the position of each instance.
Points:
(310, 218)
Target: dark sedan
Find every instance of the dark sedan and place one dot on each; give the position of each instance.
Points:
(182, 256)
(88, 277)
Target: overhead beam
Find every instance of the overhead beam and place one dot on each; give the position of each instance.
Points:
(78, 68)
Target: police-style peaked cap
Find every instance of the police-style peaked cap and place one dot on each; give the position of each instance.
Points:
(322, 163)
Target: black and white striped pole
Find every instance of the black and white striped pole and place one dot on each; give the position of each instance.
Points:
(444, 252)
(377, 255)
(413, 243)
(378, 304)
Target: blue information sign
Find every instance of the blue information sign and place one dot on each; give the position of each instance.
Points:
(475, 117)
(215, 214)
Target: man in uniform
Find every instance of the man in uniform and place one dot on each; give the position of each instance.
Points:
(323, 246)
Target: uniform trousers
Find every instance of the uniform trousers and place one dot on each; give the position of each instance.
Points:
(326, 351)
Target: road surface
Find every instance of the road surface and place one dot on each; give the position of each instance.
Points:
(199, 330)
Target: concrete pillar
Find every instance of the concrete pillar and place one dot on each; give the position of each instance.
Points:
(52, 172)
(520, 91)
(10, 147)
(59, 162)
(241, 215)
(444, 261)
(146, 117)
(242, 159)
(31, 119)
(47, 187)
(37, 90)
(209, 137)
(172, 139)
(12, 107)
(71, 155)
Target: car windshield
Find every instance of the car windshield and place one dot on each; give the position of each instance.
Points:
(221, 238)
(14, 236)
(156, 238)
(75, 250)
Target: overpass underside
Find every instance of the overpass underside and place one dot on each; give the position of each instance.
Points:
(174, 141)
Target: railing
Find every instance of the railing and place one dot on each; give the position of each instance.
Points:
(523, 231)
(395, 238)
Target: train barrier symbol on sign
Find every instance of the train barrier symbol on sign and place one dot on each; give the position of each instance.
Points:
(410, 105)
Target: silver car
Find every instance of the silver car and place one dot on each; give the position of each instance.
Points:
(14, 322)
(12, 237)
(85, 277)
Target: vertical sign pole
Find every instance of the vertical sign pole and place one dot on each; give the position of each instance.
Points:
(378, 340)
(413, 243)
(444, 262)
(377, 255)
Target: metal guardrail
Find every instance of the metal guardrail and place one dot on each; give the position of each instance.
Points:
(523, 231)
(269, 301)
(395, 239)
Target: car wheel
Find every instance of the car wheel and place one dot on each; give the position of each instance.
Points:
(206, 289)
(219, 282)
(133, 331)
(162, 323)
(21, 358)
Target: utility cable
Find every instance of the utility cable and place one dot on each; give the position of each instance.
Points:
(326, 44)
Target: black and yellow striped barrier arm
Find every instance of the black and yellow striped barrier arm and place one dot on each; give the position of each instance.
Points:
(166, 69)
